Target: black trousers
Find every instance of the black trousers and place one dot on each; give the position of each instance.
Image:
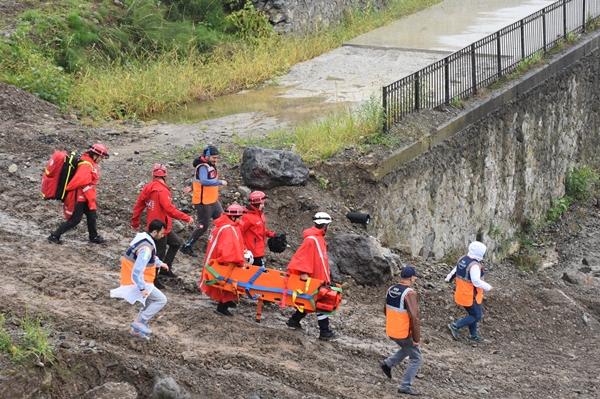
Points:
(204, 213)
(174, 243)
(81, 208)
(322, 319)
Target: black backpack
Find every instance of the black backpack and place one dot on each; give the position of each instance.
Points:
(277, 244)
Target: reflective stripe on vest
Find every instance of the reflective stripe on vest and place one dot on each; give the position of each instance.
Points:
(128, 260)
(397, 321)
(205, 194)
(465, 290)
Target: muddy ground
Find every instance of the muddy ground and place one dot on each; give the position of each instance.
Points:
(541, 332)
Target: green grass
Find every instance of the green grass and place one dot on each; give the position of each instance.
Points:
(143, 58)
(322, 138)
(31, 343)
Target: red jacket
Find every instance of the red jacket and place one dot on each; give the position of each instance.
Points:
(225, 244)
(82, 187)
(156, 197)
(311, 257)
(254, 230)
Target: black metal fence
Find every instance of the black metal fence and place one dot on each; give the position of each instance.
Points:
(460, 74)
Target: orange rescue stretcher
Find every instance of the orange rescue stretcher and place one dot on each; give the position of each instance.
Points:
(263, 284)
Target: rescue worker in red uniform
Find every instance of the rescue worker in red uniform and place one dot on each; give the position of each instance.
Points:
(310, 260)
(156, 198)
(469, 289)
(225, 244)
(205, 196)
(81, 195)
(138, 271)
(402, 325)
(254, 227)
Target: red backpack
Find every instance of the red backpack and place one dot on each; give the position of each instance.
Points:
(59, 171)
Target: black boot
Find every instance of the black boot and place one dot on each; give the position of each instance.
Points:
(326, 332)
(222, 309)
(167, 273)
(294, 321)
(158, 284)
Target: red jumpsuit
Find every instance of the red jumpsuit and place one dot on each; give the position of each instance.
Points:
(255, 232)
(156, 197)
(225, 244)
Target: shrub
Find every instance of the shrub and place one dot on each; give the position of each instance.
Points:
(580, 182)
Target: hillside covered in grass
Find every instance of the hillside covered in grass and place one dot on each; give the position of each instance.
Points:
(117, 59)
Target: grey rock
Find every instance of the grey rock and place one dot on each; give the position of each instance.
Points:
(167, 388)
(112, 390)
(244, 191)
(360, 257)
(12, 168)
(264, 169)
(178, 226)
(574, 277)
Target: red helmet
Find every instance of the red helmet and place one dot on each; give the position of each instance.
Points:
(235, 210)
(159, 170)
(258, 197)
(99, 149)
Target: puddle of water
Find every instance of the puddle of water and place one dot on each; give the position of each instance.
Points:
(267, 100)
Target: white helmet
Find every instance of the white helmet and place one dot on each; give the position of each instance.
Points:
(322, 218)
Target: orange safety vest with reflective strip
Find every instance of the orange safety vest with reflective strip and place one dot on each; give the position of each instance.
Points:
(397, 321)
(205, 194)
(128, 260)
(465, 291)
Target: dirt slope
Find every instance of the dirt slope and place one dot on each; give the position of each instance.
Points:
(537, 342)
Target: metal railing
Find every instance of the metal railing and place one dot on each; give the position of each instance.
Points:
(460, 74)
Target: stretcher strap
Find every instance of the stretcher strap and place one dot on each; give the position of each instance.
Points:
(310, 297)
(215, 274)
(252, 280)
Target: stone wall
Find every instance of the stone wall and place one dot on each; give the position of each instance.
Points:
(298, 16)
(493, 175)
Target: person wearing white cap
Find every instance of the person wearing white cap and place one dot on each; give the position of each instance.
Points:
(470, 285)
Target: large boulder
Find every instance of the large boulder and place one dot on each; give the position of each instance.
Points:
(167, 388)
(361, 257)
(263, 169)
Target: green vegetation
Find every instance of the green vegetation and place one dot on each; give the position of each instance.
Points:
(535, 60)
(527, 259)
(146, 56)
(32, 342)
(580, 184)
(325, 137)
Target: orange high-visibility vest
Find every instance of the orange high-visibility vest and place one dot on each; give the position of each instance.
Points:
(128, 260)
(397, 321)
(205, 194)
(465, 291)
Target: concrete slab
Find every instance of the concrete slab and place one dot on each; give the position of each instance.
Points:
(450, 25)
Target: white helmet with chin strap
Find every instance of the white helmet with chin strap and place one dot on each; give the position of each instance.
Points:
(322, 218)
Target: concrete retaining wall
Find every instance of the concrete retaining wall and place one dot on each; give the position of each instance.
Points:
(500, 164)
